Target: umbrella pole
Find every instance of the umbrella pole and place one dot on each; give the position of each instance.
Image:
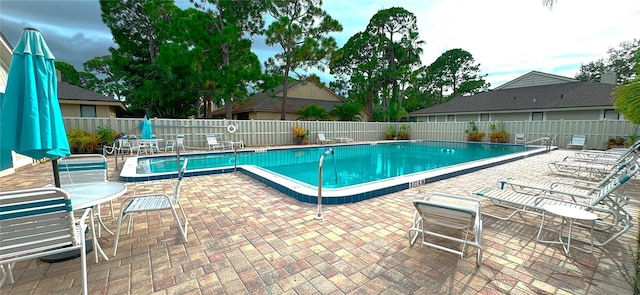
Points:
(56, 172)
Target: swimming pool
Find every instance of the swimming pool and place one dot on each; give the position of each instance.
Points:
(354, 172)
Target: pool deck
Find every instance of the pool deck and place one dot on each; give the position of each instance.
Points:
(248, 238)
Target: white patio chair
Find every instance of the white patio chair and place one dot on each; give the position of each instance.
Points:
(123, 145)
(36, 223)
(133, 144)
(170, 144)
(90, 168)
(180, 141)
(166, 201)
(453, 212)
(144, 146)
(77, 169)
(519, 138)
(578, 141)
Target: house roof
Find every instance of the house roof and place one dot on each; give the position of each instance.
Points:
(266, 102)
(71, 92)
(555, 96)
(535, 78)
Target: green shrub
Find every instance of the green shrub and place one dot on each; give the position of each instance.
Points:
(107, 135)
(83, 142)
(391, 132)
(473, 134)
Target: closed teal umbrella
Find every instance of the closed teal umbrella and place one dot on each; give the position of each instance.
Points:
(31, 121)
(146, 129)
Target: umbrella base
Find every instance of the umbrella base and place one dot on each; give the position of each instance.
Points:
(64, 256)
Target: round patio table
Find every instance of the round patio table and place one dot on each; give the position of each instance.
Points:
(89, 195)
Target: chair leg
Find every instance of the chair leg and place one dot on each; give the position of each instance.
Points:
(115, 244)
(129, 223)
(183, 230)
(8, 273)
(83, 259)
(479, 243)
(4, 275)
(92, 228)
(111, 209)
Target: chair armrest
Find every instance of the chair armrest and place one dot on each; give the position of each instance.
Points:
(557, 194)
(574, 182)
(84, 216)
(82, 221)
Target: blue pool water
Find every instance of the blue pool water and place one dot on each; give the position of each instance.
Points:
(349, 165)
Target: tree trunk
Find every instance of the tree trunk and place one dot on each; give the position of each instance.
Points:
(226, 59)
(285, 85)
(370, 105)
(229, 109)
(207, 106)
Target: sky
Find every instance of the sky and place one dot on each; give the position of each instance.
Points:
(508, 38)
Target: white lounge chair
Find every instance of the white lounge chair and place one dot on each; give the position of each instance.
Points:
(589, 167)
(577, 188)
(343, 139)
(213, 143)
(613, 153)
(612, 220)
(450, 211)
(155, 202)
(36, 223)
(578, 141)
(322, 139)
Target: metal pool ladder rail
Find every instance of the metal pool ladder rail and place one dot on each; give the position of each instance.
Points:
(329, 151)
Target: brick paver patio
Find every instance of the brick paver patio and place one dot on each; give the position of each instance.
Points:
(248, 238)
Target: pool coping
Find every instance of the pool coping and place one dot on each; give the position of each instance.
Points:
(351, 194)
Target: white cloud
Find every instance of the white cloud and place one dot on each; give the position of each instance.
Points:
(508, 38)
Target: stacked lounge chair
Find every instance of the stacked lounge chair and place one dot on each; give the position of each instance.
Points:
(612, 221)
(574, 186)
(598, 164)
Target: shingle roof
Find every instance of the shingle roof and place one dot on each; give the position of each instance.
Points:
(535, 78)
(71, 92)
(263, 101)
(565, 95)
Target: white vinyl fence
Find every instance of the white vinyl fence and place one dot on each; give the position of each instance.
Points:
(259, 133)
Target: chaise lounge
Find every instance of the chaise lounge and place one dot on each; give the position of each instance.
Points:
(439, 210)
(612, 220)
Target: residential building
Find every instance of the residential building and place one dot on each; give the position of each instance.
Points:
(79, 102)
(535, 96)
(6, 53)
(267, 105)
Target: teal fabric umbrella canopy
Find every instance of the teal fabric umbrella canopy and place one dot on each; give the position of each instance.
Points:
(30, 117)
(146, 129)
